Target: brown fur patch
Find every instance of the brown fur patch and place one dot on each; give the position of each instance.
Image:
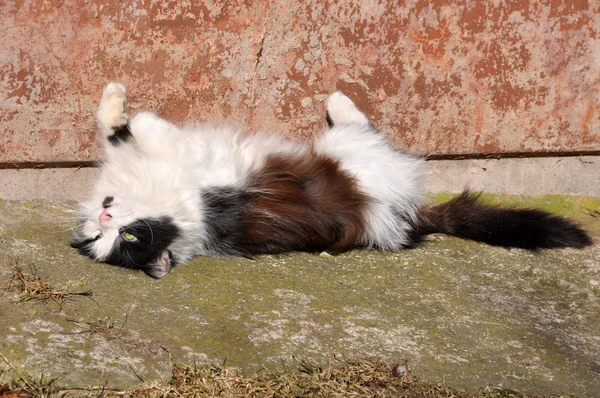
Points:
(303, 204)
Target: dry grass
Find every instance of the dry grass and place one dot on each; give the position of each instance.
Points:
(340, 378)
(25, 386)
(31, 287)
(115, 330)
(110, 330)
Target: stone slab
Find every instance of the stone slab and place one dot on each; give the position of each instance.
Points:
(461, 312)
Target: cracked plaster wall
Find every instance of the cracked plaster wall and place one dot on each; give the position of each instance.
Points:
(438, 77)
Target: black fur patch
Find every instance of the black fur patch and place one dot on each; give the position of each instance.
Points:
(121, 134)
(467, 218)
(224, 212)
(153, 235)
(329, 121)
(83, 245)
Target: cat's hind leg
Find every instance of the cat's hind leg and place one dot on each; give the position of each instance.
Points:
(388, 176)
(342, 111)
(112, 119)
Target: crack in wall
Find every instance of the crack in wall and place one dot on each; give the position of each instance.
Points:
(259, 55)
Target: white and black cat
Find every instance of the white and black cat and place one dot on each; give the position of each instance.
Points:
(166, 194)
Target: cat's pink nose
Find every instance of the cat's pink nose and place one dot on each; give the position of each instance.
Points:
(104, 216)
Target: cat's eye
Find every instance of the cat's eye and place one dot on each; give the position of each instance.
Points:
(129, 237)
(98, 236)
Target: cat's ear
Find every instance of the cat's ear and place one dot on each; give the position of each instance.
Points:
(161, 266)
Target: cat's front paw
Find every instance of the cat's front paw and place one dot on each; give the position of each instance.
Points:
(341, 110)
(111, 113)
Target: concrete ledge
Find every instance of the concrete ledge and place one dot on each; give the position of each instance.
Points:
(54, 185)
(552, 175)
(578, 175)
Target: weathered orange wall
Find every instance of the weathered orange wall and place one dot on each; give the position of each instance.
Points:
(439, 77)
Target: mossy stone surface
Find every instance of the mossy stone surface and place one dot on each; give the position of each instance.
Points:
(459, 311)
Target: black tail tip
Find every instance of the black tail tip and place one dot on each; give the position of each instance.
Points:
(468, 218)
(565, 233)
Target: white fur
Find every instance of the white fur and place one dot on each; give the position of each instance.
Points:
(342, 110)
(165, 168)
(111, 112)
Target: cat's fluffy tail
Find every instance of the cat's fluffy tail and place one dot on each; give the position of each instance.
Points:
(466, 217)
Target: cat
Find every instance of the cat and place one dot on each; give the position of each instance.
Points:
(166, 194)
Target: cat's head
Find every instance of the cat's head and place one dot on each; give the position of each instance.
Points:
(122, 232)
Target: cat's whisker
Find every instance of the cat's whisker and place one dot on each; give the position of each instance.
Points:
(151, 233)
(67, 218)
(78, 234)
(129, 255)
(82, 204)
(72, 229)
(71, 205)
